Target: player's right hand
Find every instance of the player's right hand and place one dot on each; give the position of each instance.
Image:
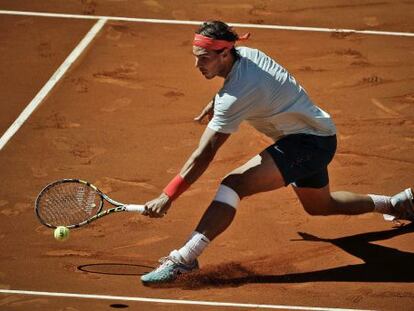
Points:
(158, 207)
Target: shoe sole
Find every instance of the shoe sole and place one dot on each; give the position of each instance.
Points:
(167, 281)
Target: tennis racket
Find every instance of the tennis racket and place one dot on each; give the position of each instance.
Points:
(74, 203)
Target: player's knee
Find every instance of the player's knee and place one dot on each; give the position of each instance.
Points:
(227, 195)
(311, 210)
(316, 209)
(236, 183)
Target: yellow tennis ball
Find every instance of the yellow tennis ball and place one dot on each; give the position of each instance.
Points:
(61, 233)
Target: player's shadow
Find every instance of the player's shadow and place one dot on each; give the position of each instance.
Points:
(380, 264)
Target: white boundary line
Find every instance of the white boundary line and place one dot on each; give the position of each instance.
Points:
(51, 83)
(182, 22)
(171, 301)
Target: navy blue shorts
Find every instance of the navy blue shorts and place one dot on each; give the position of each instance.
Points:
(303, 159)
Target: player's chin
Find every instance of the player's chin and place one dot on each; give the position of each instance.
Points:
(208, 76)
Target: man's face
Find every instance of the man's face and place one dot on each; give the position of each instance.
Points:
(210, 63)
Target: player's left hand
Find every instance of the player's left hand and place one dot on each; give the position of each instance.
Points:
(158, 207)
(208, 112)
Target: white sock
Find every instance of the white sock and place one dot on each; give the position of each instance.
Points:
(192, 249)
(382, 203)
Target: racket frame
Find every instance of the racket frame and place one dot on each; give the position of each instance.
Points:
(119, 207)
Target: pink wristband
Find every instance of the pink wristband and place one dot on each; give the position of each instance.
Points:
(176, 187)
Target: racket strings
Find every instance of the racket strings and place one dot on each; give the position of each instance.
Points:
(68, 203)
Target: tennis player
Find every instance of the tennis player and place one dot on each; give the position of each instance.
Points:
(259, 90)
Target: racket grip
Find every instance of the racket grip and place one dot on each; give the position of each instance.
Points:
(135, 208)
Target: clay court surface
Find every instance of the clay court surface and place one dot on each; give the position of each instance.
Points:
(121, 117)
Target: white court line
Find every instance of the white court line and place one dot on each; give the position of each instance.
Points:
(182, 22)
(171, 301)
(51, 83)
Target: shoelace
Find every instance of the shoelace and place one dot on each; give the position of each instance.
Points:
(165, 262)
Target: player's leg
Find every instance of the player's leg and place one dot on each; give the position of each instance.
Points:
(320, 201)
(260, 174)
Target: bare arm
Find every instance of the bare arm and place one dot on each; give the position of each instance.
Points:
(195, 166)
(200, 159)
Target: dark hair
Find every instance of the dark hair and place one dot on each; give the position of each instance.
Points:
(220, 31)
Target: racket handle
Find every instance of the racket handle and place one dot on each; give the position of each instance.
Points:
(135, 208)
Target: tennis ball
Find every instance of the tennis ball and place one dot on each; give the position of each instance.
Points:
(61, 233)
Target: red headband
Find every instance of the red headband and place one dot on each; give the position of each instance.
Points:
(214, 44)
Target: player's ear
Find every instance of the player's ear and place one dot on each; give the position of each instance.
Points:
(225, 53)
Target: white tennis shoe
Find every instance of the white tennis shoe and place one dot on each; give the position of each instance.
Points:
(402, 206)
(168, 271)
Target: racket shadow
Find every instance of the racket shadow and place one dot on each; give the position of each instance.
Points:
(116, 269)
